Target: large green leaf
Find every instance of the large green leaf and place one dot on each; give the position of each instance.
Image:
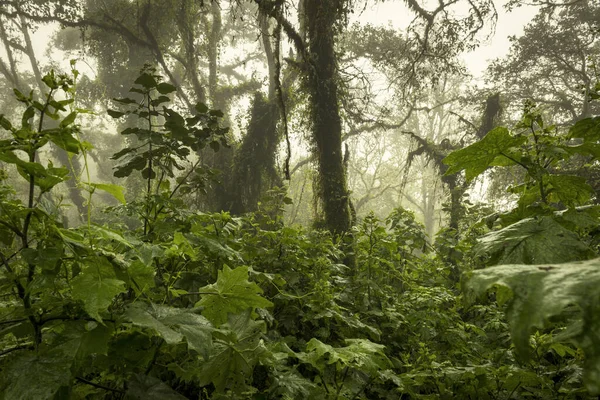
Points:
(143, 387)
(478, 157)
(568, 189)
(360, 354)
(235, 353)
(32, 376)
(532, 241)
(173, 324)
(79, 339)
(114, 190)
(543, 291)
(588, 129)
(231, 294)
(96, 287)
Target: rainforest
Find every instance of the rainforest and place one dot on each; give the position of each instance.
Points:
(299, 199)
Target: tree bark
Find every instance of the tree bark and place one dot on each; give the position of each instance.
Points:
(322, 17)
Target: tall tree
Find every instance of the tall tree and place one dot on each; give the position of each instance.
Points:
(552, 63)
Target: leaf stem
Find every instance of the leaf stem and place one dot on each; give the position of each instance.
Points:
(99, 386)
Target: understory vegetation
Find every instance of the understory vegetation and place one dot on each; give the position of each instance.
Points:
(149, 299)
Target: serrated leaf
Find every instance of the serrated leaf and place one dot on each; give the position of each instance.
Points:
(51, 372)
(360, 354)
(79, 339)
(114, 190)
(587, 128)
(232, 293)
(291, 385)
(532, 241)
(568, 189)
(64, 139)
(144, 387)
(173, 324)
(96, 288)
(141, 276)
(478, 157)
(234, 356)
(543, 291)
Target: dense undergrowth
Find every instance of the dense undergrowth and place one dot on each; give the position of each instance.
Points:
(156, 301)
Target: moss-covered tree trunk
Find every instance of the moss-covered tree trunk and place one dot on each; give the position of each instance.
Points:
(322, 18)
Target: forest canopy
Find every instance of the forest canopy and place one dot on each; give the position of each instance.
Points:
(297, 199)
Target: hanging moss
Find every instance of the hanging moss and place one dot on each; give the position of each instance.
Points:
(254, 170)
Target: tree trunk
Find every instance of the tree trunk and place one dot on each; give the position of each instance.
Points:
(322, 17)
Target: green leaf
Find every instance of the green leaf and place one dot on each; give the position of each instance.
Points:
(165, 88)
(291, 385)
(78, 340)
(68, 120)
(146, 80)
(232, 293)
(27, 115)
(141, 276)
(114, 190)
(115, 114)
(232, 361)
(360, 354)
(64, 139)
(96, 287)
(30, 376)
(125, 100)
(5, 123)
(128, 164)
(51, 177)
(532, 241)
(173, 324)
(588, 129)
(144, 387)
(543, 291)
(201, 108)
(478, 157)
(568, 189)
(159, 100)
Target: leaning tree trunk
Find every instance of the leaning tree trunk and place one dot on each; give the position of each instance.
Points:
(322, 17)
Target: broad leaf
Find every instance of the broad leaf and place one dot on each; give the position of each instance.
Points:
(173, 324)
(30, 376)
(360, 354)
(235, 354)
(588, 129)
(114, 190)
(143, 387)
(231, 294)
(543, 291)
(478, 157)
(165, 88)
(569, 190)
(96, 287)
(532, 241)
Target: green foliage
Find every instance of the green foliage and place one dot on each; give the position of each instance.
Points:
(540, 292)
(207, 306)
(536, 148)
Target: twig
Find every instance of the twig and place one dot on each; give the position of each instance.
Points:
(99, 386)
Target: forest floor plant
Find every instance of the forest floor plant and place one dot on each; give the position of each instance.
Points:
(189, 305)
